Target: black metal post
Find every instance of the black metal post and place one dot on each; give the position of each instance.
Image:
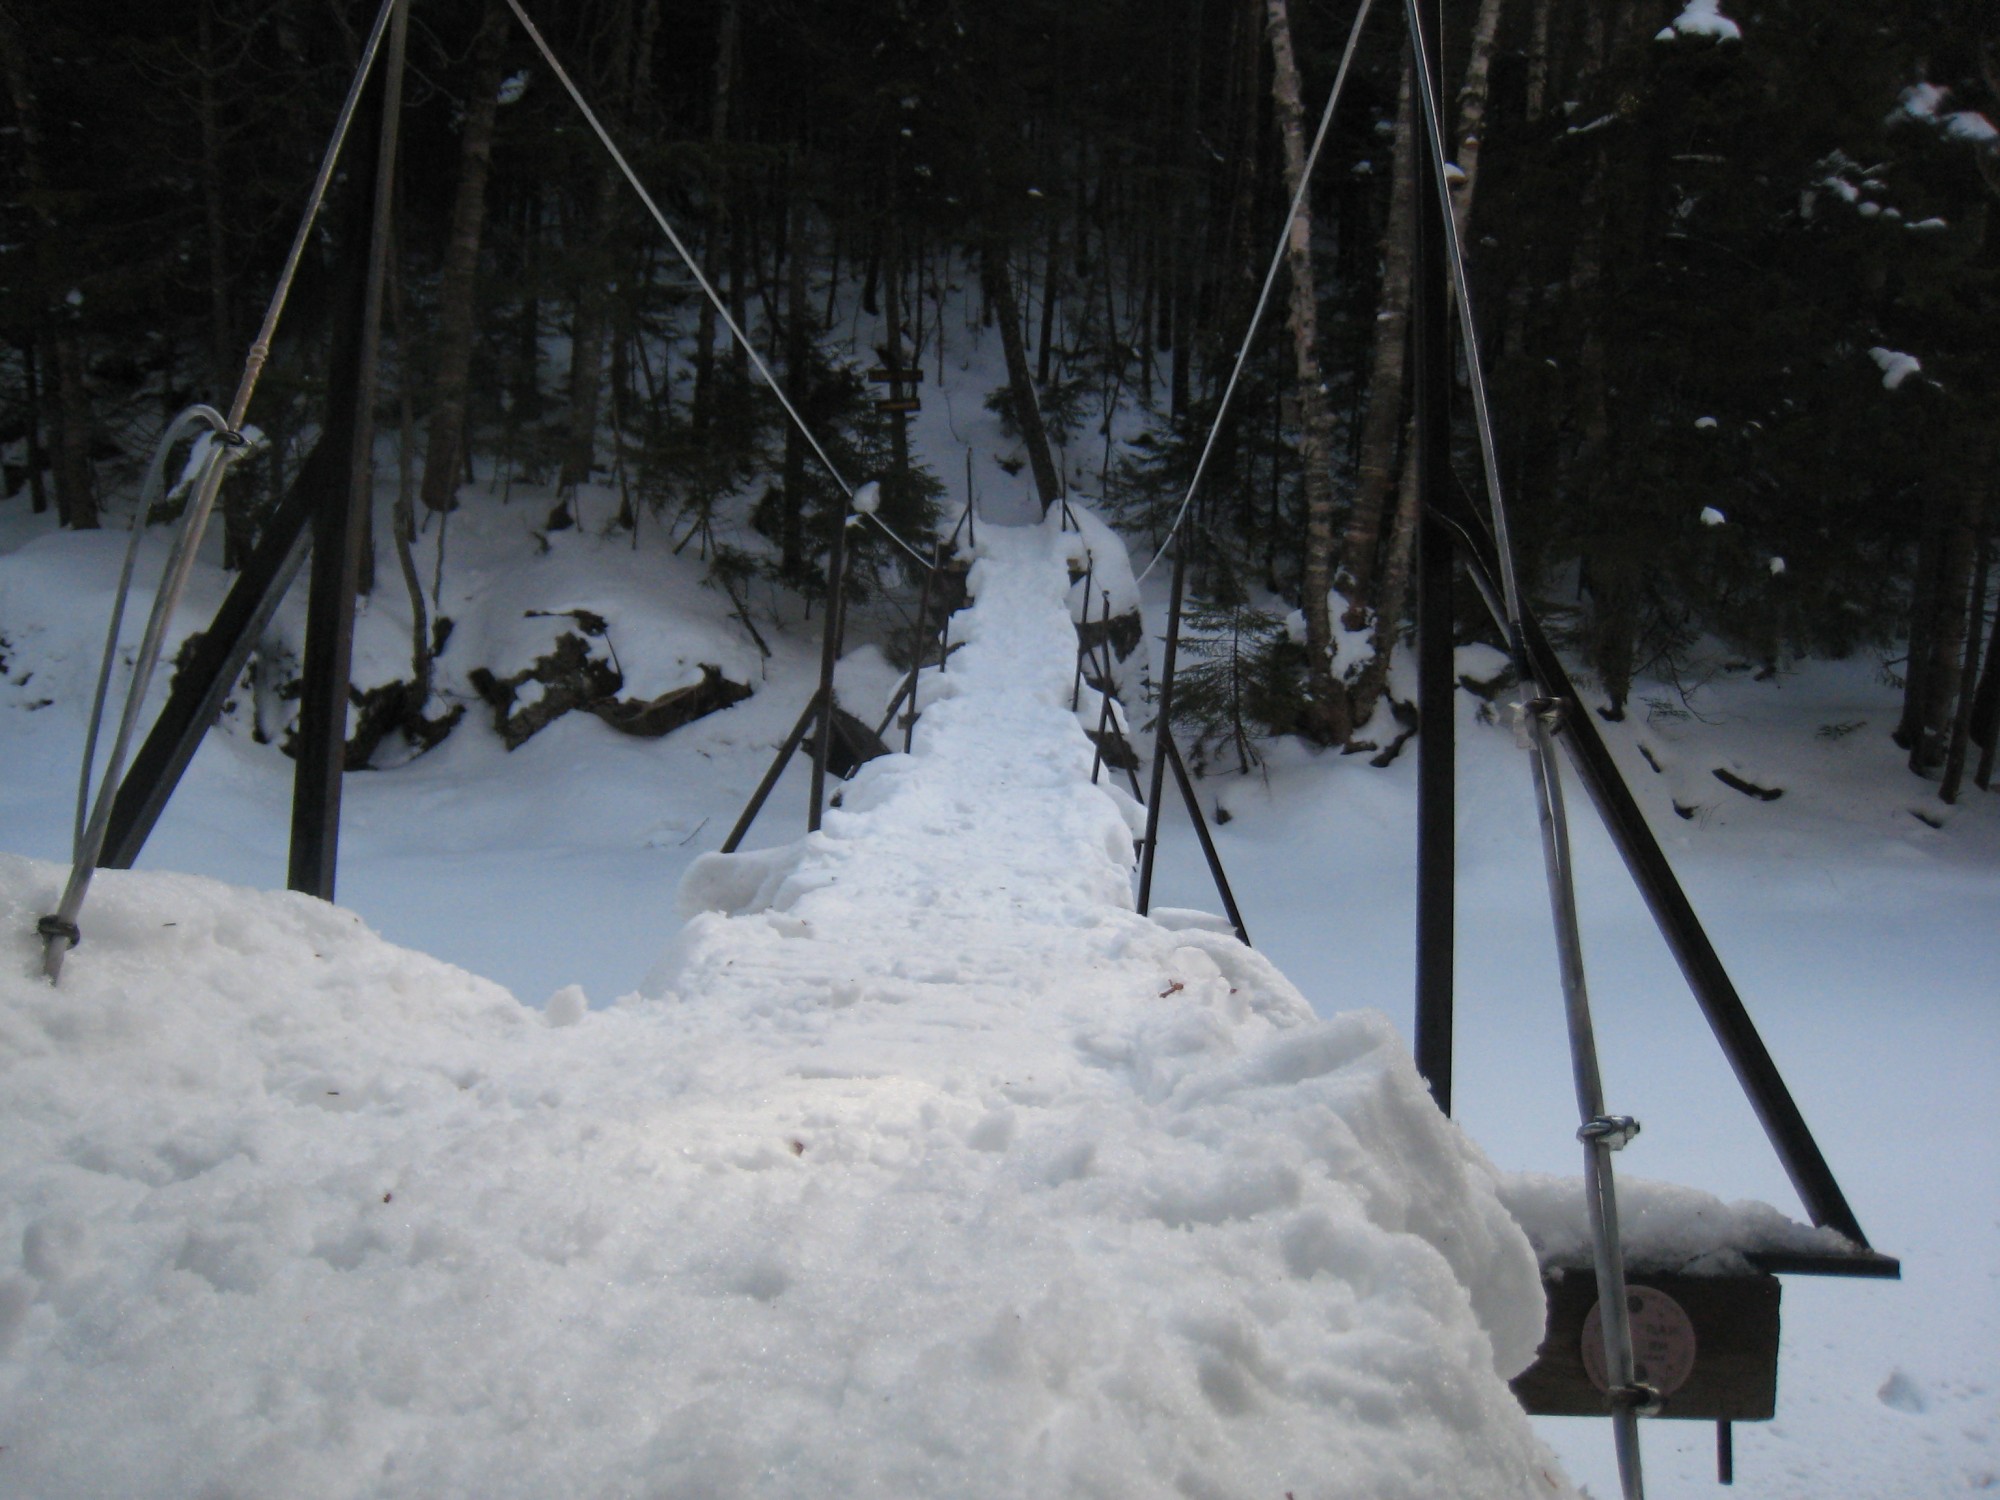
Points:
(1725, 1453)
(1207, 844)
(923, 650)
(1162, 728)
(1076, 682)
(1103, 725)
(209, 676)
(1436, 750)
(829, 654)
(338, 533)
(1107, 675)
(777, 769)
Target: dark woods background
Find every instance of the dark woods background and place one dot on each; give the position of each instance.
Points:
(1688, 253)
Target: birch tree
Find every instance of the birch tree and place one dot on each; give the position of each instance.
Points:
(1327, 711)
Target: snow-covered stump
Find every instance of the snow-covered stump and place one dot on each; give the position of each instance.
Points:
(928, 1168)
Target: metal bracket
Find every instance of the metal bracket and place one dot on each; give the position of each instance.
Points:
(1638, 1398)
(1615, 1131)
(53, 927)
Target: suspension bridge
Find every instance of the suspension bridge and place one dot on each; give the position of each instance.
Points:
(1034, 1190)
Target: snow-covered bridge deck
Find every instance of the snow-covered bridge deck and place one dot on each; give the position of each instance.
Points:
(930, 1168)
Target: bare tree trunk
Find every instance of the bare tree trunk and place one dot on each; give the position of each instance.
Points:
(1328, 711)
(239, 517)
(798, 352)
(453, 348)
(1945, 674)
(76, 498)
(1538, 59)
(1924, 611)
(718, 214)
(1051, 291)
(1391, 598)
(1383, 421)
(1027, 410)
(38, 495)
(403, 518)
(1472, 109)
(1968, 673)
(215, 219)
(589, 318)
(739, 304)
(1985, 725)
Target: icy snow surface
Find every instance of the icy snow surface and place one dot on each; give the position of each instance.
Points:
(927, 1168)
(1663, 1226)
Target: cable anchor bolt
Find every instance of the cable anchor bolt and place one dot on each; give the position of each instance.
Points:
(1614, 1131)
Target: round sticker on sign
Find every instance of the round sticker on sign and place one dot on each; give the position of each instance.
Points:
(1662, 1342)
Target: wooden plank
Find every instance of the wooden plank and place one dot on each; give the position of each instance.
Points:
(899, 404)
(1734, 1374)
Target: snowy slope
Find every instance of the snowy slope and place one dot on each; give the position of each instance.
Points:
(927, 1168)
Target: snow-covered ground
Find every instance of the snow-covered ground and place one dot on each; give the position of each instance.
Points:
(1861, 936)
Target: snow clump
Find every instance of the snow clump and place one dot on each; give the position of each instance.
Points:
(1896, 367)
(1701, 18)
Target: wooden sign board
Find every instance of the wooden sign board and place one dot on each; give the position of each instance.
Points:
(899, 404)
(1709, 1344)
(882, 373)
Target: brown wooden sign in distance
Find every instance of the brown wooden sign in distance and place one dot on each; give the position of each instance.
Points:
(882, 373)
(1708, 1344)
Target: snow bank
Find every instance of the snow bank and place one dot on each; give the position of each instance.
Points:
(1103, 550)
(931, 1169)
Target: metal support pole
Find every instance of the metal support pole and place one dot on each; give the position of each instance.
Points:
(778, 764)
(1162, 729)
(338, 533)
(829, 655)
(1107, 674)
(1207, 843)
(1436, 685)
(1076, 682)
(210, 674)
(923, 649)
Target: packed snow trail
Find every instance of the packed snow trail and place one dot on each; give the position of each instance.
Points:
(928, 1168)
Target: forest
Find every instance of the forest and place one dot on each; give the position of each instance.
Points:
(1734, 274)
